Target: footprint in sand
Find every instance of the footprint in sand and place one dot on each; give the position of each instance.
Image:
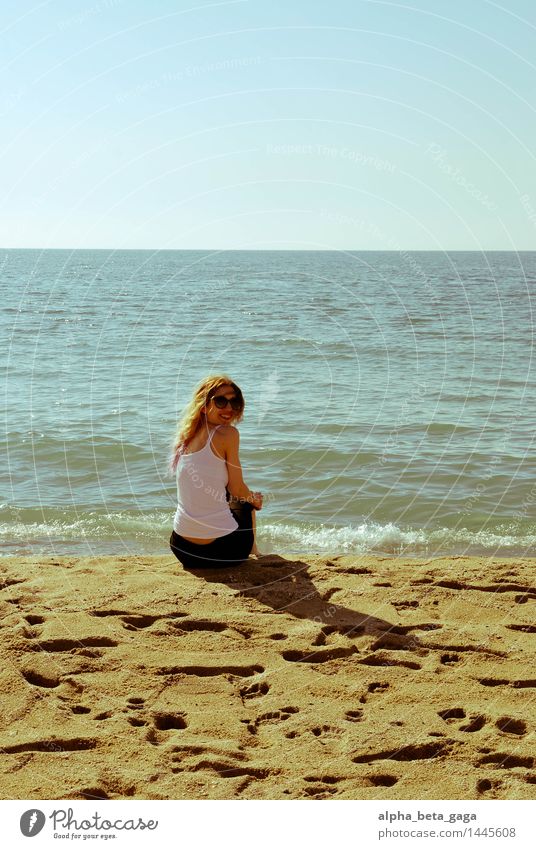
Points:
(105, 714)
(405, 605)
(452, 713)
(382, 780)
(64, 644)
(354, 570)
(354, 715)
(225, 763)
(505, 587)
(447, 659)
(508, 725)
(53, 745)
(206, 671)
(374, 687)
(90, 793)
(505, 760)
(424, 751)
(504, 682)
(485, 785)
(476, 721)
(138, 622)
(378, 686)
(48, 680)
(272, 716)
(321, 655)
(34, 619)
(255, 690)
(523, 599)
(164, 723)
(326, 731)
(32, 630)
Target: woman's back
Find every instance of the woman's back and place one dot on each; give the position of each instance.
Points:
(201, 438)
(202, 509)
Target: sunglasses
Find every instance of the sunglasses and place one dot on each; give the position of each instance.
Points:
(221, 402)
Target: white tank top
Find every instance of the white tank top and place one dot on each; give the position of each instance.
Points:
(203, 510)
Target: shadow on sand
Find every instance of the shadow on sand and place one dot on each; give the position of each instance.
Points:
(286, 587)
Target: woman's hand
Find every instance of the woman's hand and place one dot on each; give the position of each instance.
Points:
(256, 500)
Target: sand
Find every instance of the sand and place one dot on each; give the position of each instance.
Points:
(312, 677)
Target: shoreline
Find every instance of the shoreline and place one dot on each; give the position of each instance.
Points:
(78, 554)
(295, 677)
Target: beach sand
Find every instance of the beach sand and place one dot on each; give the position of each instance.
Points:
(309, 677)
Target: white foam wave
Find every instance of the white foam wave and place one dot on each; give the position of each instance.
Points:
(151, 531)
(372, 537)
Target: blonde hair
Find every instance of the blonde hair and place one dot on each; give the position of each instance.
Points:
(193, 414)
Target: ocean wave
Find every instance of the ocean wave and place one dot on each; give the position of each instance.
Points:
(376, 538)
(148, 532)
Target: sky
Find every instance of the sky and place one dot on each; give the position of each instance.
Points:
(261, 124)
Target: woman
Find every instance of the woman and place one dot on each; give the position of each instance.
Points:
(214, 524)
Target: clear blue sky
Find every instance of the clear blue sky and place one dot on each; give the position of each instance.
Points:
(267, 124)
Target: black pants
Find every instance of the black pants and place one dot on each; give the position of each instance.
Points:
(229, 550)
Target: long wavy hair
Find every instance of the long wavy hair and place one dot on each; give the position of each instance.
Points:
(194, 416)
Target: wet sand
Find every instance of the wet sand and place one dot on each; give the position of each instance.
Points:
(311, 677)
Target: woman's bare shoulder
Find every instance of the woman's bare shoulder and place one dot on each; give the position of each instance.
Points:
(227, 431)
(223, 440)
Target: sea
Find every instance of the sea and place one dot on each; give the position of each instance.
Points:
(390, 396)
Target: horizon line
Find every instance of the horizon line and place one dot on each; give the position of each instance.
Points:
(289, 250)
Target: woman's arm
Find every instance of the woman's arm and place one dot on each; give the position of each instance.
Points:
(236, 485)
